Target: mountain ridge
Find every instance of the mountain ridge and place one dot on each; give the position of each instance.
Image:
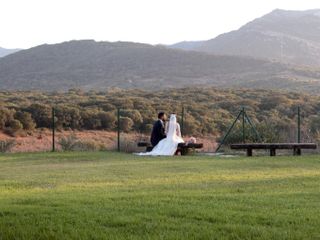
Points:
(282, 35)
(88, 64)
(4, 51)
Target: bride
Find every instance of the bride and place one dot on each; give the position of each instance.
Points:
(168, 146)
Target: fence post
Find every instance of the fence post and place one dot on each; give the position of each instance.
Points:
(299, 125)
(243, 126)
(182, 121)
(229, 130)
(118, 123)
(53, 131)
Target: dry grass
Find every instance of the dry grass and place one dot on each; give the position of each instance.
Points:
(41, 140)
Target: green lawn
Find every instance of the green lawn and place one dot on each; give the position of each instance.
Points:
(119, 196)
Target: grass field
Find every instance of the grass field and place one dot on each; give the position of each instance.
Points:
(117, 196)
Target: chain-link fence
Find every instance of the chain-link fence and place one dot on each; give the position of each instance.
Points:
(113, 129)
(122, 129)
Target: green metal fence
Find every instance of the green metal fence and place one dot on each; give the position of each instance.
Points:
(247, 129)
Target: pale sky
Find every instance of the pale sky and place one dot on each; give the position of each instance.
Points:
(27, 23)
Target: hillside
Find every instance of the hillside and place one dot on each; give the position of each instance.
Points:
(4, 52)
(98, 65)
(287, 36)
(187, 45)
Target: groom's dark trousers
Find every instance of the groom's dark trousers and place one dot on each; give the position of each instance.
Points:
(158, 132)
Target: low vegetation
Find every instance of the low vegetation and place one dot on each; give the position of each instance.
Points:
(207, 111)
(6, 145)
(72, 143)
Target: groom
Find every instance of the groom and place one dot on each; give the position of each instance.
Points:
(158, 131)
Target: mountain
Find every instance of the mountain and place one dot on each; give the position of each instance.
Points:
(286, 36)
(187, 45)
(96, 65)
(5, 52)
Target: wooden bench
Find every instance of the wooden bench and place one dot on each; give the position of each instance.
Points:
(273, 147)
(183, 148)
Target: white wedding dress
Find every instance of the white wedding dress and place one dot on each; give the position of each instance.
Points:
(167, 146)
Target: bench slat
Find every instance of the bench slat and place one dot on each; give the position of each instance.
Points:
(144, 144)
(190, 145)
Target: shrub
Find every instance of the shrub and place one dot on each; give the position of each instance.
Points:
(26, 120)
(90, 120)
(107, 119)
(15, 125)
(6, 145)
(126, 124)
(148, 128)
(14, 128)
(86, 146)
(135, 116)
(6, 115)
(129, 144)
(68, 143)
(41, 113)
(67, 117)
(72, 143)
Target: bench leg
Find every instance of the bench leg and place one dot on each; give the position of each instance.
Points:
(249, 152)
(187, 151)
(272, 152)
(297, 151)
(184, 151)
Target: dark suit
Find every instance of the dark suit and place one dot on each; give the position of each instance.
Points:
(158, 132)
